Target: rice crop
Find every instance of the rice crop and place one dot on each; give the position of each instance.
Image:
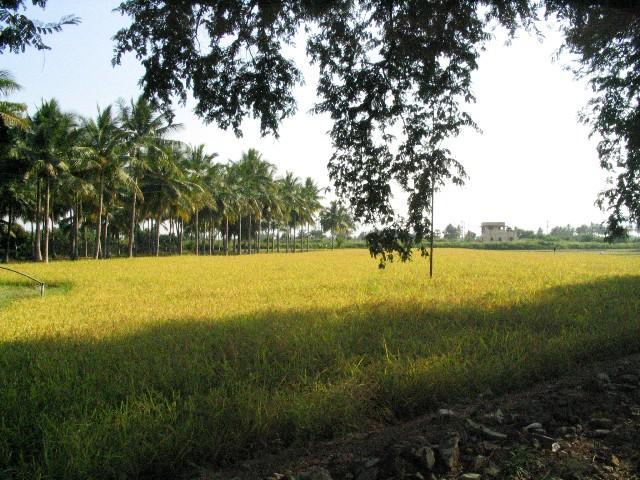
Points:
(148, 367)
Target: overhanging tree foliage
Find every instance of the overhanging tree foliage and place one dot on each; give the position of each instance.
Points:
(18, 31)
(394, 78)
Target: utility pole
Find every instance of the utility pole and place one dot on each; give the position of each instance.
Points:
(433, 187)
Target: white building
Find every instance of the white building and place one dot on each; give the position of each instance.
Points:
(497, 232)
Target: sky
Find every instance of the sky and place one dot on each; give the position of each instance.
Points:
(533, 165)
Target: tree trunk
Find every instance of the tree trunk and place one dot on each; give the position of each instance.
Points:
(46, 223)
(197, 234)
(8, 240)
(211, 236)
(181, 235)
(240, 236)
(132, 230)
(105, 253)
(84, 232)
(226, 235)
(259, 234)
(294, 239)
(158, 223)
(308, 235)
(99, 226)
(332, 237)
(249, 237)
(74, 233)
(278, 239)
(38, 250)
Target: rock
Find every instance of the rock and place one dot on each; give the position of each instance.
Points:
(601, 423)
(479, 463)
(626, 387)
(599, 433)
(449, 451)
(629, 378)
(603, 377)
(315, 473)
(445, 412)
(545, 441)
(489, 446)
(488, 393)
(371, 462)
(566, 431)
(414, 476)
(533, 426)
(425, 457)
(368, 474)
(615, 461)
(555, 447)
(470, 476)
(486, 431)
(492, 471)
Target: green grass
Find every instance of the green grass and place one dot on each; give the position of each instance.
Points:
(147, 367)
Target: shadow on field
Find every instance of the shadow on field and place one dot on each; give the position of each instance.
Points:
(184, 393)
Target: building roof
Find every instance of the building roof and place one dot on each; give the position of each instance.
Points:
(493, 224)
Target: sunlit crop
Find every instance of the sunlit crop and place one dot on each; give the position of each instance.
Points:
(150, 366)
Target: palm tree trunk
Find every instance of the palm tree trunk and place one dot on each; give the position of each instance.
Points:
(259, 233)
(332, 237)
(181, 234)
(8, 240)
(75, 233)
(226, 235)
(278, 239)
(37, 250)
(197, 233)
(84, 232)
(132, 230)
(105, 253)
(158, 223)
(294, 239)
(46, 223)
(308, 235)
(99, 226)
(240, 236)
(212, 237)
(249, 237)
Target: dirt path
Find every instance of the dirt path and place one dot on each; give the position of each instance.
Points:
(583, 426)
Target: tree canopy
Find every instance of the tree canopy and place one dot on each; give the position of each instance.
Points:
(18, 31)
(394, 78)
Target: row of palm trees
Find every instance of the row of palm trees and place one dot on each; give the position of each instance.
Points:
(120, 175)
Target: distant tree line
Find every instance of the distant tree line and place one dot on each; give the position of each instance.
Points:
(583, 233)
(117, 184)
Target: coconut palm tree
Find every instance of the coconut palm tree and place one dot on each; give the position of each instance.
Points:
(166, 187)
(336, 219)
(290, 188)
(49, 143)
(145, 128)
(255, 177)
(197, 164)
(12, 115)
(102, 148)
(311, 205)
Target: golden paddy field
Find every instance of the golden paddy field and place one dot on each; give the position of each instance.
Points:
(147, 367)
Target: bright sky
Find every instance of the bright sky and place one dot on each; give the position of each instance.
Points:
(532, 164)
